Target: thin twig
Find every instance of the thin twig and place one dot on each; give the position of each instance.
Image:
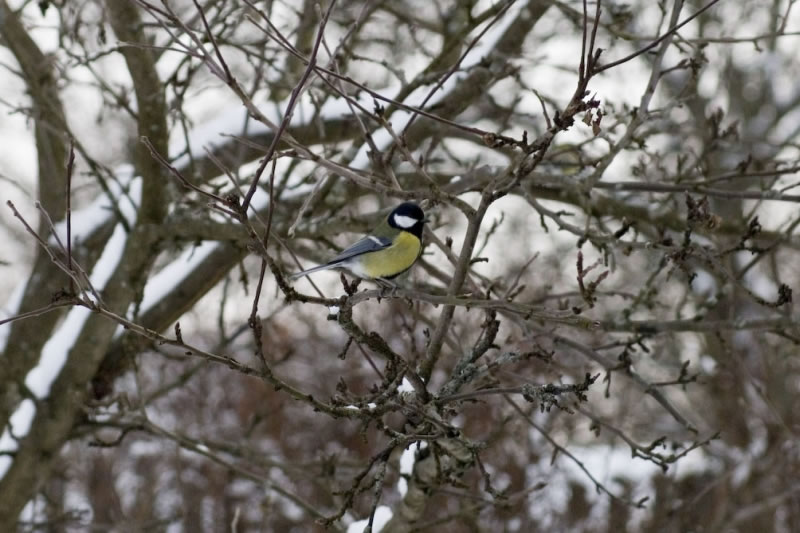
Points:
(38, 312)
(560, 449)
(656, 42)
(289, 111)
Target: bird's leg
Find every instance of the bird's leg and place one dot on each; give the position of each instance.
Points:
(386, 284)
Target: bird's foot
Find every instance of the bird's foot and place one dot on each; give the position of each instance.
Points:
(388, 287)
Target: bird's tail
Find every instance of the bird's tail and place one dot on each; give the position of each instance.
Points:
(326, 266)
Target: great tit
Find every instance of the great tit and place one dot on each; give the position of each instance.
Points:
(391, 249)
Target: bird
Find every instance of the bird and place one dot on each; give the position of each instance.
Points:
(388, 251)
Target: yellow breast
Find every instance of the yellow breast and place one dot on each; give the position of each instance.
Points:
(393, 260)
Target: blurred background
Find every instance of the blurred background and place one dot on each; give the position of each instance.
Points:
(600, 334)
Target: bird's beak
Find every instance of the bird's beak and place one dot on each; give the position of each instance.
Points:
(426, 220)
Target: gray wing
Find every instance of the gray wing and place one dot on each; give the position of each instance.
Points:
(366, 245)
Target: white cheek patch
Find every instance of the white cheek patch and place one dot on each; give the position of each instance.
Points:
(404, 221)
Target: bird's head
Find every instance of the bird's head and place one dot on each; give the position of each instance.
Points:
(409, 217)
